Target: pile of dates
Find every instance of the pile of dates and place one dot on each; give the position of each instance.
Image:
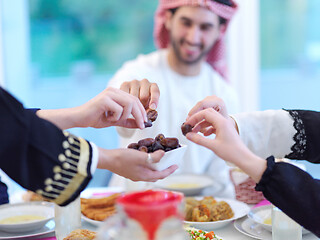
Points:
(160, 142)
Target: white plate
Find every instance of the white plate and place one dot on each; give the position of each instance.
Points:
(98, 192)
(47, 228)
(93, 222)
(172, 157)
(249, 228)
(188, 184)
(260, 214)
(240, 209)
(252, 229)
(44, 209)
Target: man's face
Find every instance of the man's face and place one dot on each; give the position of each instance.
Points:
(193, 32)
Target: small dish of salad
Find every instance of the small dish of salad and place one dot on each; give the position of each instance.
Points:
(197, 234)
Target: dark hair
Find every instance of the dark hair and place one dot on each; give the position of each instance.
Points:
(221, 19)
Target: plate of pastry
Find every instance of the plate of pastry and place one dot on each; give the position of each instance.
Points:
(97, 209)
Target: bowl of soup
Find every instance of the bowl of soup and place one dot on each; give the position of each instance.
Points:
(189, 184)
(25, 217)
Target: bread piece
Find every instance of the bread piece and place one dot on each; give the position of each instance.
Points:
(81, 234)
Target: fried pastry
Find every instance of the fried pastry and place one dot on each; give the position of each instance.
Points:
(99, 209)
(81, 234)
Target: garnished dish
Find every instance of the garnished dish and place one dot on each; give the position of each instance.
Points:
(207, 209)
(196, 234)
(209, 213)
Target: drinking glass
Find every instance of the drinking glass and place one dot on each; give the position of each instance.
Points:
(67, 218)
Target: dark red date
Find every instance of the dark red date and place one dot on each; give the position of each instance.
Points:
(185, 128)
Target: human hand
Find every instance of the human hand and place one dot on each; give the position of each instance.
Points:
(147, 92)
(210, 102)
(215, 103)
(112, 107)
(226, 144)
(133, 164)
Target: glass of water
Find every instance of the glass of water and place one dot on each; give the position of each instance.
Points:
(67, 218)
(283, 227)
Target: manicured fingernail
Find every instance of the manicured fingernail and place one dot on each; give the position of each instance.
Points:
(153, 106)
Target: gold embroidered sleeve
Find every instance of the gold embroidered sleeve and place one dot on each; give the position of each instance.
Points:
(72, 174)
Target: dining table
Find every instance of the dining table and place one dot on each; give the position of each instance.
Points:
(227, 232)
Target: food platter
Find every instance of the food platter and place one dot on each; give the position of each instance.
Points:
(240, 209)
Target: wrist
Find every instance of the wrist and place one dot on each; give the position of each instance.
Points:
(251, 164)
(106, 159)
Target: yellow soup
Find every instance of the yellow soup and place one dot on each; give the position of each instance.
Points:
(20, 219)
(267, 221)
(183, 185)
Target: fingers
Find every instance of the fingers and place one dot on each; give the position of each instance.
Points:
(209, 102)
(157, 155)
(129, 105)
(200, 140)
(114, 111)
(201, 126)
(208, 115)
(148, 93)
(154, 96)
(166, 172)
(153, 175)
(144, 92)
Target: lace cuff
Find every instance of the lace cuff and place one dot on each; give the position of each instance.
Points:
(300, 139)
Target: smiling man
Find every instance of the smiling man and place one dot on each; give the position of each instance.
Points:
(188, 66)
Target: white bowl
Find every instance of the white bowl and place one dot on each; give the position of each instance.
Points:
(261, 214)
(42, 209)
(188, 184)
(172, 157)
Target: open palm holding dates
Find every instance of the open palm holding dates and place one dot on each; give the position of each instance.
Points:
(160, 142)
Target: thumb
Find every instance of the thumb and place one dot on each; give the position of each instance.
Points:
(200, 140)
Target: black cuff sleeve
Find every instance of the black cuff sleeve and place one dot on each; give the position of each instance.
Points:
(294, 191)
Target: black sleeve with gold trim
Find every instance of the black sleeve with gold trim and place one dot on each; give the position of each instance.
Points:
(39, 156)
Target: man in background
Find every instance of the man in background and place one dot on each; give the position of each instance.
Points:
(189, 65)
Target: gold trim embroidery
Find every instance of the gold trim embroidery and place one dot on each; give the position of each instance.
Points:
(80, 176)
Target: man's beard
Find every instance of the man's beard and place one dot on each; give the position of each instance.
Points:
(188, 62)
